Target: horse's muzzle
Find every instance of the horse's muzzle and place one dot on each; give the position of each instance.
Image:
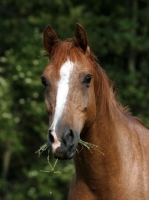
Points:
(63, 144)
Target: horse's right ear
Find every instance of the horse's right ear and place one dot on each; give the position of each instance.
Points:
(50, 39)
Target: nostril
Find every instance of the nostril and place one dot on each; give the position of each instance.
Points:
(69, 138)
(69, 135)
(50, 137)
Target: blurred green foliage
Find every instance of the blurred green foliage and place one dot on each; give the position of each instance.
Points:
(118, 34)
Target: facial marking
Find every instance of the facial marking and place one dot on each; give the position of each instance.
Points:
(62, 91)
(56, 143)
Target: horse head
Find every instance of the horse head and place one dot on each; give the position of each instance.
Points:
(70, 82)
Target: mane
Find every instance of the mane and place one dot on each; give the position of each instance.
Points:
(105, 87)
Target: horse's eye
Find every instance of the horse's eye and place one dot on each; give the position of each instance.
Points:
(43, 80)
(87, 79)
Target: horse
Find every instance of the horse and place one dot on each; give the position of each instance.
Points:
(81, 104)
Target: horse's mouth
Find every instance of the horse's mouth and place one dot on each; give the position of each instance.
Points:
(66, 156)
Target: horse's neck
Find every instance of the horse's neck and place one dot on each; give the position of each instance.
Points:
(117, 135)
(101, 162)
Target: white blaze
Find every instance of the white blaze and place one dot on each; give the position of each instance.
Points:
(62, 91)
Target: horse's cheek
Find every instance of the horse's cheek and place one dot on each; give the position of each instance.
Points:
(91, 111)
(50, 107)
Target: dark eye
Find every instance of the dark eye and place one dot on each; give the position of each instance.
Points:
(87, 80)
(43, 80)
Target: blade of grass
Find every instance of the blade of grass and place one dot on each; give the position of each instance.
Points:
(89, 146)
(52, 168)
(42, 148)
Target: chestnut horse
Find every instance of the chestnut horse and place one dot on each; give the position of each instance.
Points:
(81, 104)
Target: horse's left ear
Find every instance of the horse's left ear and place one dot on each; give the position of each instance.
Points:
(81, 38)
(50, 38)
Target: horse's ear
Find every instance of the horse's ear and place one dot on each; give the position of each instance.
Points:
(81, 38)
(50, 38)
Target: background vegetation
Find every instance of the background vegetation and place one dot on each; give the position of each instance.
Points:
(118, 33)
